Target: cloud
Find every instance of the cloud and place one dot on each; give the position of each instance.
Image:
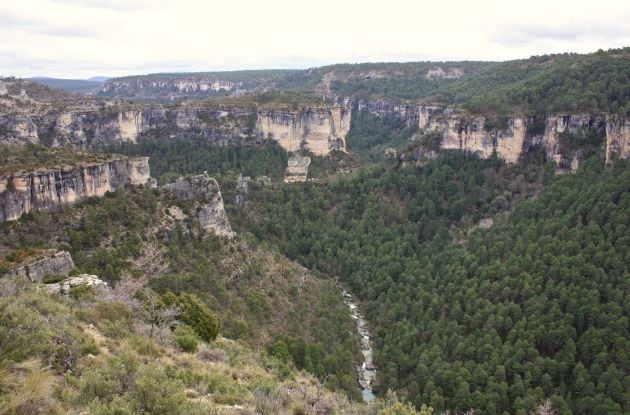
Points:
(78, 38)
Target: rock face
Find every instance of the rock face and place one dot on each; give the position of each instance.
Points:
(242, 189)
(297, 169)
(164, 89)
(320, 130)
(64, 286)
(51, 189)
(476, 134)
(617, 138)
(210, 211)
(48, 263)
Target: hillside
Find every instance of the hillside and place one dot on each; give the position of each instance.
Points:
(74, 86)
(547, 84)
(466, 317)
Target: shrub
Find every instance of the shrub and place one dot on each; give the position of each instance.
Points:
(214, 355)
(197, 315)
(52, 278)
(185, 338)
(29, 390)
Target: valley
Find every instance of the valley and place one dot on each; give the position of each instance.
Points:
(387, 238)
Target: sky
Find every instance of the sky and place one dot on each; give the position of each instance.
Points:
(85, 38)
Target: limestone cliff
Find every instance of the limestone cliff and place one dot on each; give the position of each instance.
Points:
(51, 189)
(46, 263)
(168, 89)
(210, 210)
(516, 134)
(297, 169)
(319, 130)
(617, 137)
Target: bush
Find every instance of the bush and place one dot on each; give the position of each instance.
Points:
(185, 338)
(197, 315)
(214, 355)
(52, 278)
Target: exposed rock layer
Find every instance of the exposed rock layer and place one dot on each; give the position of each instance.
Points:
(51, 189)
(297, 169)
(210, 210)
(48, 263)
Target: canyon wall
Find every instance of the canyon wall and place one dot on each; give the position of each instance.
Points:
(511, 136)
(50, 189)
(319, 130)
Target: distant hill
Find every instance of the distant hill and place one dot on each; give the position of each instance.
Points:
(594, 82)
(99, 78)
(76, 86)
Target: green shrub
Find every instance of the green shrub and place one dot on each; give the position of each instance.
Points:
(185, 338)
(52, 278)
(197, 315)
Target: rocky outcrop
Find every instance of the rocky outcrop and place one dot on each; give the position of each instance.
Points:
(51, 189)
(64, 286)
(209, 207)
(319, 130)
(515, 135)
(405, 112)
(617, 138)
(297, 169)
(242, 189)
(47, 263)
(165, 89)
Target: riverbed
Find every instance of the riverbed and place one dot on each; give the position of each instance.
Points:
(366, 371)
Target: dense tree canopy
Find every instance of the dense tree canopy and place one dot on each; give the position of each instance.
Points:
(536, 306)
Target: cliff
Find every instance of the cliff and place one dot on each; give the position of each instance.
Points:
(297, 169)
(209, 207)
(168, 89)
(564, 138)
(46, 263)
(50, 189)
(320, 130)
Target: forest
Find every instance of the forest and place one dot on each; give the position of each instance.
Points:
(536, 306)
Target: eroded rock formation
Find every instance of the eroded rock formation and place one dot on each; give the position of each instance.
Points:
(64, 286)
(320, 130)
(297, 169)
(46, 263)
(209, 209)
(517, 134)
(50, 189)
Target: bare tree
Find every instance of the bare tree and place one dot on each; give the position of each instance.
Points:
(545, 408)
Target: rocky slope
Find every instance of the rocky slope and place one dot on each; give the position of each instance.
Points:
(50, 189)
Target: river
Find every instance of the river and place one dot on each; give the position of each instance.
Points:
(366, 372)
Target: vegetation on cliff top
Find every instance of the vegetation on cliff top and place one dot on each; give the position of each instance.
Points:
(31, 157)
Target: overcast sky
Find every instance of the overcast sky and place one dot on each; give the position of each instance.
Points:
(84, 38)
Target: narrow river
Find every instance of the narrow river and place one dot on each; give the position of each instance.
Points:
(366, 372)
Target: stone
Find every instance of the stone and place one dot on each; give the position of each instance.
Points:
(242, 189)
(210, 209)
(51, 189)
(297, 169)
(49, 262)
(64, 286)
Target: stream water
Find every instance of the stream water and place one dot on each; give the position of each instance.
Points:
(366, 372)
